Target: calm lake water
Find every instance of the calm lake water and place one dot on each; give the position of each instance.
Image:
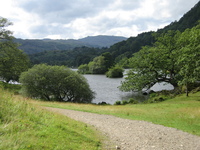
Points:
(106, 89)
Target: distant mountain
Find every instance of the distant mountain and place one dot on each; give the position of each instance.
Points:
(102, 40)
(31, 46)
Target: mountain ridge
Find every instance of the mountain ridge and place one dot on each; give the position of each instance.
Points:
(31, 46)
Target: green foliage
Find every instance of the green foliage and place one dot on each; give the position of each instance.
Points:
(131, 45)
(83, 69)
(99, 65)
(55, 83)
(125, 102)
(25, 126)
(189, 56)
(132, 101)
(108, 60)
(117, 103)
(12, 60)
(115, 72)
(174, 59)
(5, 34)
(71, 58)
(122, 61)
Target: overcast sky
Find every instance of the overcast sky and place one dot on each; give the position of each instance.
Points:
(74, 19)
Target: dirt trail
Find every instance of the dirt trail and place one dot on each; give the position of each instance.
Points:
(135, 135)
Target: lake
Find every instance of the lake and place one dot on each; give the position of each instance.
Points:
(107, 90)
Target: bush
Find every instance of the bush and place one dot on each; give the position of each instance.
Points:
(117, 103)
(115, 72)
(132, 101)
(83, 69)
(55, 83)
(124, 102)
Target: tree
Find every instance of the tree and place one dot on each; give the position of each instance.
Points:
(174, 58)
(5, 34)
(154, 64)
(97, 66)
(115, 72)
(12, 60)
(108, 60)
(55, 83)
(83, 69)
(189, 57)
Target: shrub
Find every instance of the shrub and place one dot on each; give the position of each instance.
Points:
(83, 69)
(117, 103)
(55, 83)
(132, 101)
(115, 72)
(124, 102)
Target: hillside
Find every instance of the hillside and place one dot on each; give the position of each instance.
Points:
(71, 58)
(134, 44)
(31, 46)
(24, 126)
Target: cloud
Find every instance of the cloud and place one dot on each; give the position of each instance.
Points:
(80, 18)
(64, 11)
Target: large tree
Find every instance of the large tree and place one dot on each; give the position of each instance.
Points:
(55, 83)
(12, 60)
(154, 64)
(189, 57)
(174, 58)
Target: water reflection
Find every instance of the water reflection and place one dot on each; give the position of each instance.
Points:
(107, 90)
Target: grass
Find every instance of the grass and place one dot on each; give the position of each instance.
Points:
(180, 112)
(24, 126)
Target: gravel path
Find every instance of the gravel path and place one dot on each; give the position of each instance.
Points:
(127, 134)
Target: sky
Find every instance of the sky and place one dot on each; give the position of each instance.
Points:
(75, 19)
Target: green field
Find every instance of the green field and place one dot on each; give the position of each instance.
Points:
(180, 112)
(24, 126)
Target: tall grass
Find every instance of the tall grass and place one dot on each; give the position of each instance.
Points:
(25, 126)
(181, 112)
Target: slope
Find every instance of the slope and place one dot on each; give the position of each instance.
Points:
(134, 44)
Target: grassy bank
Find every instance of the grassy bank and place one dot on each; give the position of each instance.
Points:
(181, 112)
(25, 126)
